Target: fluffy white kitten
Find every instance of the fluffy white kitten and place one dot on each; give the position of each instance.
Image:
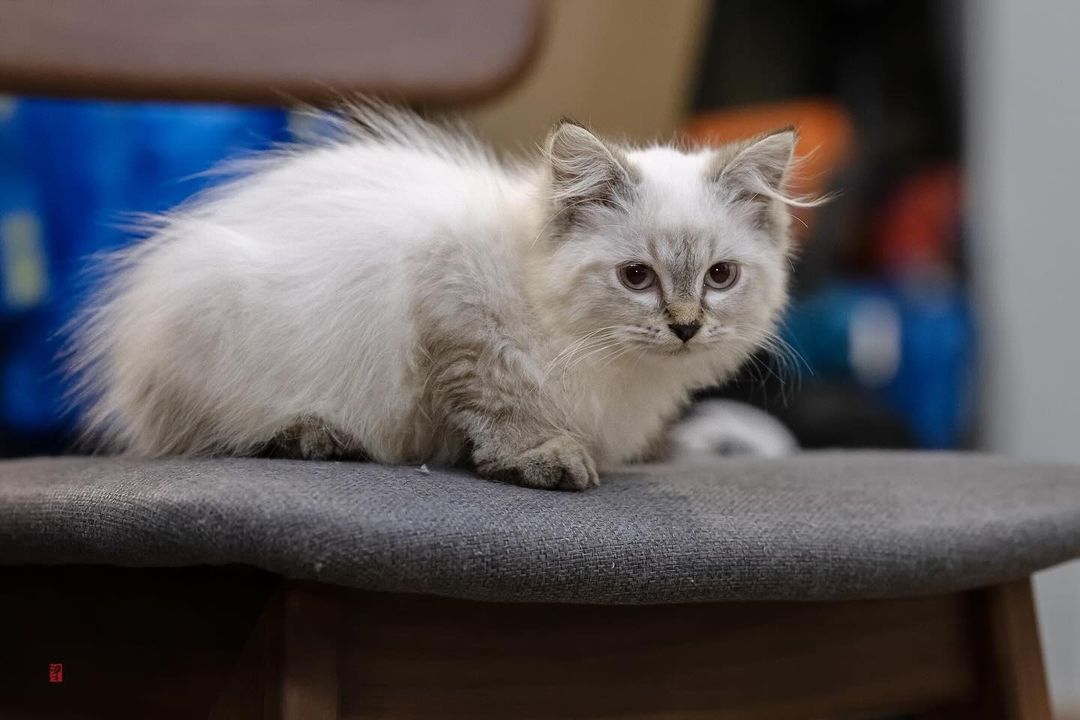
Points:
(401, 294)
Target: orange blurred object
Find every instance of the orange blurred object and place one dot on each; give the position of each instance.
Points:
(918, 229)
(826, 138)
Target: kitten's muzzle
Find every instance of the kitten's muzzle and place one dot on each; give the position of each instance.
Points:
(685, 331)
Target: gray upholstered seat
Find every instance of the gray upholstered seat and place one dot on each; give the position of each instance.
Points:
(815, 526)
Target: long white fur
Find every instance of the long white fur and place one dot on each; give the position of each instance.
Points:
(302, 288)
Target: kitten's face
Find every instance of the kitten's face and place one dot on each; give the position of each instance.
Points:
(658, 252)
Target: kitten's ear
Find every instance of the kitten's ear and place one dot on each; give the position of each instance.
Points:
(584, 170)
(758, 170)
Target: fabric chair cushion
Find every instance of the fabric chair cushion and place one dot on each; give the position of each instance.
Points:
(814, 526)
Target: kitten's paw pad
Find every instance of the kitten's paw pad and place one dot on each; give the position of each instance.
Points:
(558, 464)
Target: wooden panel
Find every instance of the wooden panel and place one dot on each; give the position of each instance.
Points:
(134, 643)
(266, 50)
(415, 657)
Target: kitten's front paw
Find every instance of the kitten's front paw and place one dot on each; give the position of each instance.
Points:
(561, 463)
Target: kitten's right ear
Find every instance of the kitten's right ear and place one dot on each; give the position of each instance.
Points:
(761, 167)
(584, 170)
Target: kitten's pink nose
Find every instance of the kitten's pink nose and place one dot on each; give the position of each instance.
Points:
(685, 331)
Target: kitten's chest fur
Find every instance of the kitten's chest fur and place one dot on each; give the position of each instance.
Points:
(624, 407)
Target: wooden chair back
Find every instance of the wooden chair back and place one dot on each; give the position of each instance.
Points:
(266, 51)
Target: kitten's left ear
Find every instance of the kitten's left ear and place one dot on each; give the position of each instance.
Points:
(584, 170)
(759, 169)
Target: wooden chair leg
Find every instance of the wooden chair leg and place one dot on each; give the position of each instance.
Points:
(1014, 680)
(311, 619)
(289, 668)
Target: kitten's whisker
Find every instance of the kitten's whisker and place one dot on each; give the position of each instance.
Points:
(582, 351)
(798, 219)
(584, 343)
(787, 353)
(613, 351)
(573, 347)
(620, 352)
(592, 353)
(784, 362)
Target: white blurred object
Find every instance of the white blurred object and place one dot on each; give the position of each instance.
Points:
(874, 345)
(728, 427)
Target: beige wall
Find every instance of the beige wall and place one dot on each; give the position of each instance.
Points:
(625, 67)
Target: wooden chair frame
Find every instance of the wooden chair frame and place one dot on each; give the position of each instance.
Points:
(235, 643)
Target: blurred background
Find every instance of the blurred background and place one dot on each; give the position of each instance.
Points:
(934, 298)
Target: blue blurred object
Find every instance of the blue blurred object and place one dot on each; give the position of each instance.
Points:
(72, 174)
(911, 344)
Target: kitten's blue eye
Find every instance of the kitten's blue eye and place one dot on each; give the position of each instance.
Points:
(722, 275)
(637, 276)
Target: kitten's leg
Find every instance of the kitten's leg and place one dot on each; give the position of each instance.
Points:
(311, 438)
(492, 392)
